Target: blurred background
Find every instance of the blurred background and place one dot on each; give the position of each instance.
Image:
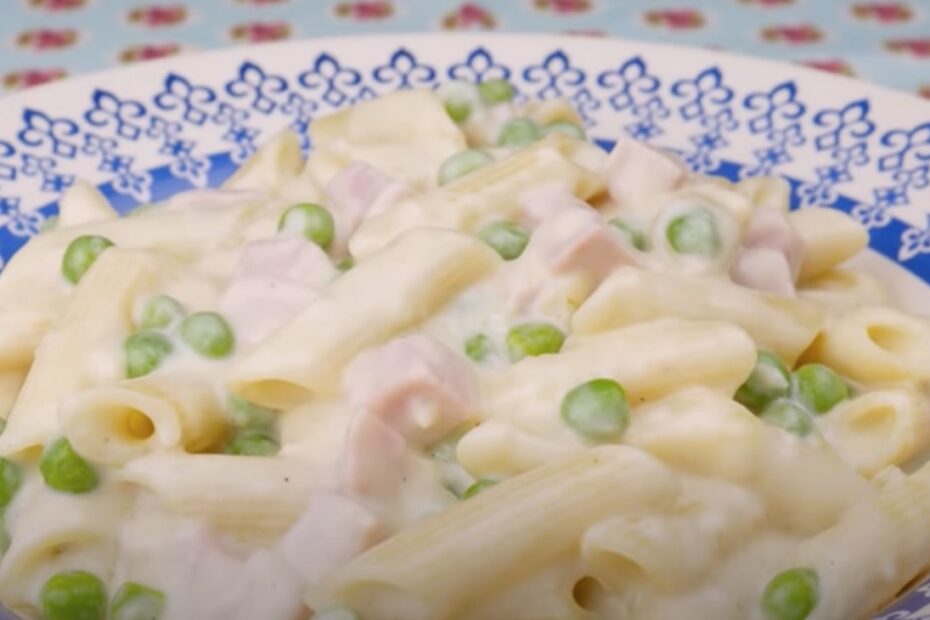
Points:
(884, 41)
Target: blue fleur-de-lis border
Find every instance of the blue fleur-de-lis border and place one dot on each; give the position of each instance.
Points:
(174, 120)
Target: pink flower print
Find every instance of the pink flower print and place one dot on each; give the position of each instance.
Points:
(918, 47)
(832, 65)
(883, 12)
(260, 32)
(469, 16)
(676, 19)
(365, 10)
(137, 53)
(155, 16)
(793, 34)
(32, 77)
(563, 7)
(58, 5)
(43, 39)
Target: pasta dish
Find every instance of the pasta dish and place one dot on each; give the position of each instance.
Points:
(458, 363)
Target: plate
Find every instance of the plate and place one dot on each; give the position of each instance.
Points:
(146, 132)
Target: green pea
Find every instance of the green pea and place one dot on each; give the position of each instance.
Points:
(63, 469)
(50, 223)
(694, 233)
(478, 347)
(533, 339)
(74, 595)
(144, 352)
(253, 442)
(481, 485)
(518, 132)
(496, 91)
(507, 238)
(81, 254)
(788, 416)
(4, 534)
(11, 477)
(458, 109)
(311, 221)
(462, 163)
(209, 334)
(345, 264)
(565, 128)
(245, 414)
(632, 233)
(134, 601)
(769, 380)
(819, 388)
(161, 312)
(336, 613)
(791, 595)
(597, 410)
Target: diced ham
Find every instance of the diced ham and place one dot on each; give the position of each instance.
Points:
(273, 280)
(770, 228)
(356, 192)
(635, 170)
(580, 240)
(548, 201)
(332, 530)
(205, 577)
(285, 259)
(415, 384)
(374, 458)
(770, 257)
(763, 269)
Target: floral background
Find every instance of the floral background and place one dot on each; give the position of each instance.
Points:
(885, 41)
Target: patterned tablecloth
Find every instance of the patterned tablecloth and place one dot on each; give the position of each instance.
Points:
(886, 41)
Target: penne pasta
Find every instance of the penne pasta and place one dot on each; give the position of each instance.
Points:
(829, 238)
(83, 204)
(115, 424)
(99, 311)
(782, 325)
(267, 497)
(875, 345)
(398, 577)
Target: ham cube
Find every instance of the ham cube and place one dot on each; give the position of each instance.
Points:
(356, 192)
(374, 459)
(273, 280)
(579, 240)
(763, 269)
(770, 228)
(332, 530)
(414, 384)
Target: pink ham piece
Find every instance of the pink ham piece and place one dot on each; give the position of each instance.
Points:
(770, 256)
(415, 385)
(580, 240)
(763, 269)
(635, 170)
(356, 192)
(273, 280)
(374, 459)
(332, 530)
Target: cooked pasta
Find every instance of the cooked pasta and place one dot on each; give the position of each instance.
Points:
(459, 363)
